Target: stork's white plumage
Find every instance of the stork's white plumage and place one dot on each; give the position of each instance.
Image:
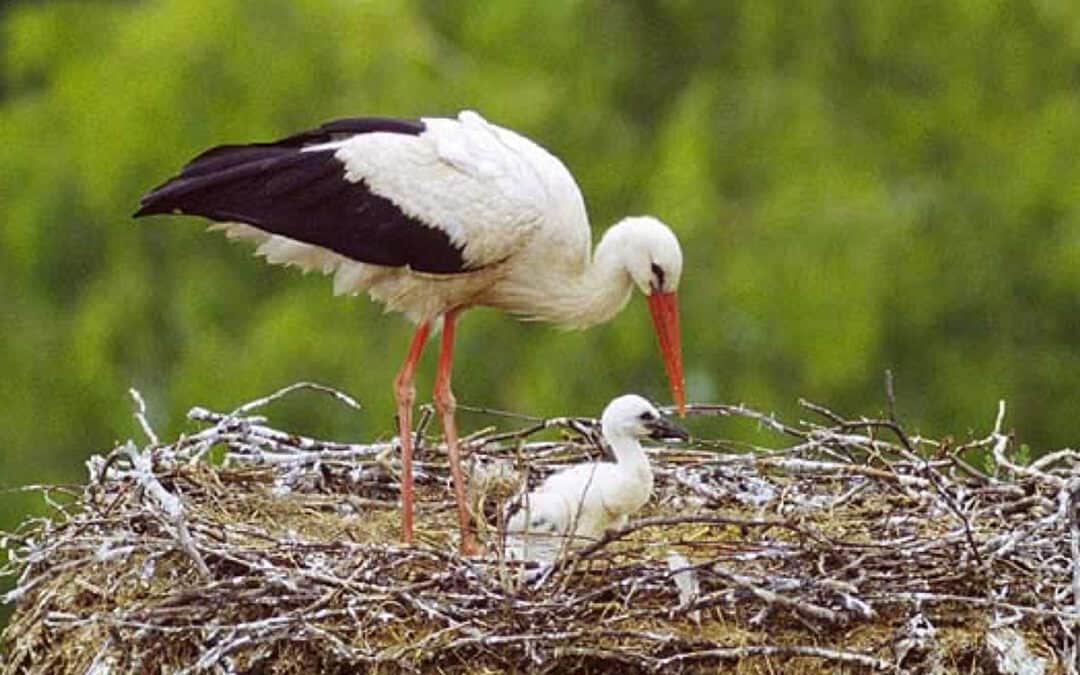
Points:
(577, 505)
(430, 217)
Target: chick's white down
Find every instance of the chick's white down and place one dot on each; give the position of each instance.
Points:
(577, 505)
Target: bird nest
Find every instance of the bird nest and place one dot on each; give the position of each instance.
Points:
(846, 545)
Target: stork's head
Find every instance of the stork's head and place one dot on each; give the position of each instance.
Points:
(633, 416)
(651, 254)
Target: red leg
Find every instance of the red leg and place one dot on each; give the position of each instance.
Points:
(405, 394)
(446, 405)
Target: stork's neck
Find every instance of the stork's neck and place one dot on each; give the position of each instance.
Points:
(598, 294)
(577, 294)
(628, 451)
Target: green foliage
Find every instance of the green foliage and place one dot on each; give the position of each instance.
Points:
(858, 186)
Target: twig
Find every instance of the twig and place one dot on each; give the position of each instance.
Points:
(169, 503)
(140, 416)
(285, 391)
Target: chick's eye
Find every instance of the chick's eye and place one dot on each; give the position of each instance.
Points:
(658, 275)
(647, 416)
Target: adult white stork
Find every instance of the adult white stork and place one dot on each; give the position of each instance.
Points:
(430, 217)
(577, 505)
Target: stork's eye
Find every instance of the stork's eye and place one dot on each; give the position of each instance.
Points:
(646, 416)
(658, 276)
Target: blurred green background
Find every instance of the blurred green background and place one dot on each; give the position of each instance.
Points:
(858, 186)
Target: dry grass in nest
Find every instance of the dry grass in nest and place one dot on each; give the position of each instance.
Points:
(847, 546)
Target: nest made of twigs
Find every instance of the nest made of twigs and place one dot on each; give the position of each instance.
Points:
(847, 545)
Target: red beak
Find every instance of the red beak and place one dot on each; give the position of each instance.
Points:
(664, 307)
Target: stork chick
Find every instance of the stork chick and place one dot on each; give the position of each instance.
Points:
(578, 504)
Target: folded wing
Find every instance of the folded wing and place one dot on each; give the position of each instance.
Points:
(442, 196)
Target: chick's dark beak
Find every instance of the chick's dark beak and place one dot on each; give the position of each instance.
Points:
(662, 429)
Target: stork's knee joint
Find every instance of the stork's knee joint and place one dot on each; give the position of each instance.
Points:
(404, 391)
(445, 402)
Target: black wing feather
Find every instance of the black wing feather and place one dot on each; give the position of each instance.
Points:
(303, 195)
